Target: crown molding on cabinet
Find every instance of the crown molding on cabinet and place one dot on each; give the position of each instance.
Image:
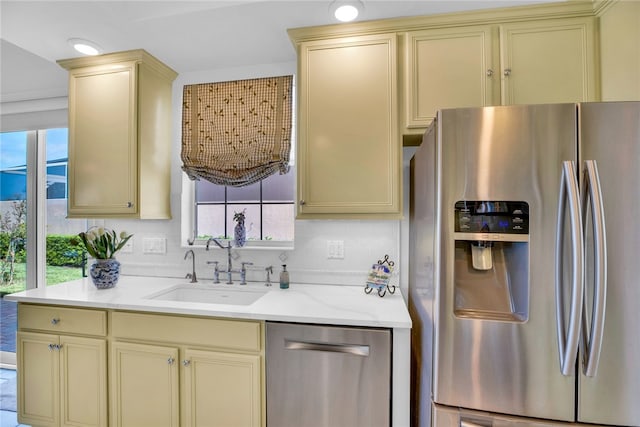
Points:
(137, 55)
(489, 16)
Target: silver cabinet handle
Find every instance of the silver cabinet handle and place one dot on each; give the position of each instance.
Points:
(591, 341)
(129, 204)
(354, 349)
(568, 344)
(489, 72)
(507, 72)
(186, 362)
(55, 321)
(302, 202)
(170, 360)
(51, 347)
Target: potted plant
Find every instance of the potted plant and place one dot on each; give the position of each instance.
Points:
(102, 244)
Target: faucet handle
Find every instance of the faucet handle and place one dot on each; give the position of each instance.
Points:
(216, 273)
(243, 272)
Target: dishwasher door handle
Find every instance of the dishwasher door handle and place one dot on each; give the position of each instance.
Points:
(354, 349)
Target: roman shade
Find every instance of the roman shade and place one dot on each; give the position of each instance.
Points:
(237, 133)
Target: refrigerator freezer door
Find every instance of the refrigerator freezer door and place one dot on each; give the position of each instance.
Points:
(510, 154)
(610, 135)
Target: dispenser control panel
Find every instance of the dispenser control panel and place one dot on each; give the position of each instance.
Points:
(492, 217)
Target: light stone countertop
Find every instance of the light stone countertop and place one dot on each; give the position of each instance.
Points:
(322, 304)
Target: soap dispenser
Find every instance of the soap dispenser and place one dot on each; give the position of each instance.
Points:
(284, 277)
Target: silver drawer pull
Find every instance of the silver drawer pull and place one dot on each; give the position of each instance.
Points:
(55, 321)
(186, 362)
(355, 349)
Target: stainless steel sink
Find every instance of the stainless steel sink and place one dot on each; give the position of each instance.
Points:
(210, 294)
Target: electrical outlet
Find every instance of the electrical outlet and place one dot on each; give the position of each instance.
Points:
(154, 245)
(335, 249)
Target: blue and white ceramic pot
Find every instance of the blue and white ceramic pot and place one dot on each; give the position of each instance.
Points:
(105, 273)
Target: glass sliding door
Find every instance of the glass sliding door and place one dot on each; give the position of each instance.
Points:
(38, 245)
(14, 171)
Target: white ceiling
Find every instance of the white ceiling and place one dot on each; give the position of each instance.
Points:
(186, 35)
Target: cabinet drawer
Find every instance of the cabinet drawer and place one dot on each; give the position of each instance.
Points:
(62, 320)
(227, 334)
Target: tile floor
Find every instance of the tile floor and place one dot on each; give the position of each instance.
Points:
(8, 417)
(8, 319)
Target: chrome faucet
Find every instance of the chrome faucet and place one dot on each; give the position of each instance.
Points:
(229, 269)
(191, 275)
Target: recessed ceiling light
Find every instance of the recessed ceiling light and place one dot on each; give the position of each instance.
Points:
(346, 11)
(85, 47)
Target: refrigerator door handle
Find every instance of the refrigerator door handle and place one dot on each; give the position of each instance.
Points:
(591, 341)
(568, 343)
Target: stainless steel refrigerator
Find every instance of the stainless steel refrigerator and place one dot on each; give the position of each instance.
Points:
(524, 283)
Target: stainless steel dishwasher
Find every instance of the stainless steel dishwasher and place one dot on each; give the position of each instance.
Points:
(327, 376)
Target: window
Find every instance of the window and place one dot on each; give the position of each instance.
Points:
(268, 206)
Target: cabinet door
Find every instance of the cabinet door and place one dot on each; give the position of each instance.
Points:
(447, 68)
(83, 386)
(349, 148)
(144, 385)
(102, 141)
(548, 61)
(221, 389)
(38, 379)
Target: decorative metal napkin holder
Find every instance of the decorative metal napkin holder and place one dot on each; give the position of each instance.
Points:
(379, 277)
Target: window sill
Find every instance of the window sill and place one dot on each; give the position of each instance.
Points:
(250, 245)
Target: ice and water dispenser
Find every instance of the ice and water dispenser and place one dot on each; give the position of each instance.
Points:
(491, 266)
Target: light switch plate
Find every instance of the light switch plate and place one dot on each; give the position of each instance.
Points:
(335, 249)
(154, 245)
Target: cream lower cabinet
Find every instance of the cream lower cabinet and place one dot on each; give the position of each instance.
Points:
(62, 379)
(349, 163)
(144, 385)
(186, 371)
(221, 389)
(528, 62)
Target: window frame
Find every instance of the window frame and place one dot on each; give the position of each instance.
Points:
(189, 213)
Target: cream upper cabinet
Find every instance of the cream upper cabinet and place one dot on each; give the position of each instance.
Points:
(186, 371)
(349, 162)
(545, 62)
(62, 377)
(447, 68)
(524, 62)
(119, 136)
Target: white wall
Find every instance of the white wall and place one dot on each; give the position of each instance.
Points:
(364, 241)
